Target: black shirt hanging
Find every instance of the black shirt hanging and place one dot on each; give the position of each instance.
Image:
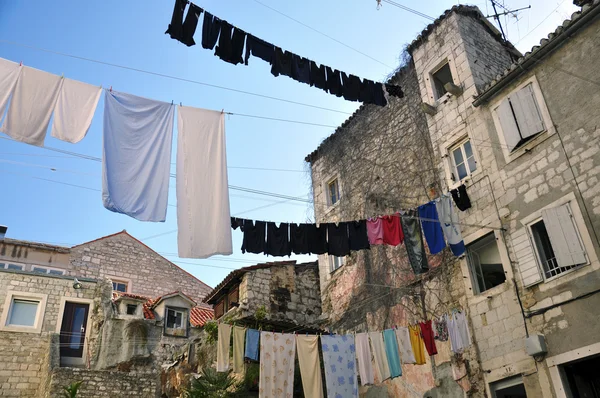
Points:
(254, 237)
(299, 238)
(357, 234)
(237, 223)
(378, 95)
(259, 48)
(278, 242)
(175, 29)
(231, 45)
(211, 26)
(351, 87)
(300, 69)
(367, 88)
(317, 238)
(338, 243)
(282, 63)
(318, 77)
(334, 82)
(461, 198)
(394, 91)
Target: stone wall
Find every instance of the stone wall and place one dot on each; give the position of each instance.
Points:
(122, 257)
(24, 357)
(105, 383)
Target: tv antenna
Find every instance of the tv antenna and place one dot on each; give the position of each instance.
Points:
(496, 15)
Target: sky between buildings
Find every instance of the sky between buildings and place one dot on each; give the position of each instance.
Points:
(131, 33)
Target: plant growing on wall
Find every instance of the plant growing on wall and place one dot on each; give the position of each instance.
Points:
(212, 331)
(212, 384)
(72, 389)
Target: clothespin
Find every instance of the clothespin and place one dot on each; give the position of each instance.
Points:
(110, 89)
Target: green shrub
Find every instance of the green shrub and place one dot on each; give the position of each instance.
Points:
(72, 389)
(212, 384)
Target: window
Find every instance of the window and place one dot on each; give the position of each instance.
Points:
(463, 161)
(120, 287)
(336, 262)
(44, 270)
(580, 378)
(174, 319)
(520, 117)
(23, 312)
(508, 388)
(131, 309)
(485, 264)
(440, 77)
(11, 266)
(333, 192)
(556, 240)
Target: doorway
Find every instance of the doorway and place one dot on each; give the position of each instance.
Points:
(582, 378)
(73, 333)
(508, 388)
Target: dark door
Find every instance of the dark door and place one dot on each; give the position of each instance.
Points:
(583, 378)
(72, 331)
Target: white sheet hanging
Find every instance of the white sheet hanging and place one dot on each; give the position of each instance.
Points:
(74, 110)
(32, 105)
(203, 218)
(136, 162)
(9, 73)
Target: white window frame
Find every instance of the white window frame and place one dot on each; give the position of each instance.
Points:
(452, 163)
(505, 383)
(126, 282)
(549, 130)
(554, 365)
(6, 263)
(47, 269)
(430, 86)
(585, 240)
(39, 316)
(436, 70)
(175, 311)
(332, 261)
(329, 181)
(474, 282)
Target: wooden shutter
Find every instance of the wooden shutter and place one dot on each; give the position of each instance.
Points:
(563, 236)
(527, 112)
(508, 124)
(526, 258)
(219, 309)
(234, 296)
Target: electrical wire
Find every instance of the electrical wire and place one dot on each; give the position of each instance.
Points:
(322, 33)
(543, 20)
(411, 10)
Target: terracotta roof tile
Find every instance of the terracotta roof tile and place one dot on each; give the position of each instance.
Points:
(200, 315)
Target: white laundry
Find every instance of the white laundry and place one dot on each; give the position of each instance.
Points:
(9, 73)
(74, 110)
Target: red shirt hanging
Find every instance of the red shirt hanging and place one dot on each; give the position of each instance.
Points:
(428, 339)
(392, 232)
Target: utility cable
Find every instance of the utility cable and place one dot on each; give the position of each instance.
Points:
(405, 8)
(538, 25)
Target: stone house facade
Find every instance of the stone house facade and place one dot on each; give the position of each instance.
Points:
(520, 131)
(286, 292)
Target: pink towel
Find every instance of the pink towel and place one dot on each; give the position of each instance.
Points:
(375, 231)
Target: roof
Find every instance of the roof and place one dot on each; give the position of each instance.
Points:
(200, 315)
(35, 245)
(159, 299)
(578, 20)
(235, 276)
(469, 11)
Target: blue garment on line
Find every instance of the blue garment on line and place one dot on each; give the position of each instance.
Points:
(432, 229)
(252, 343)
(136, 162)
(391, 350)
(339, 359)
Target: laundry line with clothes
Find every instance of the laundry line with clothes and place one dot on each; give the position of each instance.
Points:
(229, 43)
(380, 354)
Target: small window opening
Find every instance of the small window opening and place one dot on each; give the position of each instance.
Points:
(440, 78)
(131, 309)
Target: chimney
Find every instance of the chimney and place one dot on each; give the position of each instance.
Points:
(3, 229)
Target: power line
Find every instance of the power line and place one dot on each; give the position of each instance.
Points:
(543, 20)
(411, 10)
(322, 33)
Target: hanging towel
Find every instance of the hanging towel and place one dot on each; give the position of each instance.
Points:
(392, 231)
(223, 344)
(299, 238)
(254, 237)
(363, 355)
(339, 358)
(239, 333)
(449, 222)
(310, 365)
(458, 331)
(74, 110)
(432, 229)
(392, 353)
(211, 26)
(381, 362)
(277, 359)
(375, 231)
(338, 243)
(31, 107)
(317, 238)
(259, 48)
(413, 240)
(357, 234)
(278, 239)
(428, 338)
(461, 198)
(252, 342)
(136, 162)
(9, 74)
(202, 194)
(405, 347)
(418, 347)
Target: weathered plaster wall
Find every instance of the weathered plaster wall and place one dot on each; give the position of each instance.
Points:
(12, 251)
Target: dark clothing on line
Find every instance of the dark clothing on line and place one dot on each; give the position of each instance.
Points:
(300, 69)
(237, 222)
(351, 87)
(259, 48)
(367, 91)
(299, 238)
(282, 63)
(317, 76)
(428, 339)
(278, 240)
(230, 46)
(394, 91)
(334, 82)
(317, 238)
(357, 235)
(338, 243)
(190, 24)
(211, 26)
(434, 236)
(254, 237)
(413, 240)
(461, 198)
(175, 29)
(378, 95)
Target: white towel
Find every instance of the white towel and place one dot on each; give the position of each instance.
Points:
(223, 344)
(203, 218)
(136, 163)
(381, 362)
(74, 110)
(363, 354)
(404, 346)
(31, 106)
(277, 354)
(9, 73)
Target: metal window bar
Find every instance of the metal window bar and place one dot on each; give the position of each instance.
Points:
(551, 268)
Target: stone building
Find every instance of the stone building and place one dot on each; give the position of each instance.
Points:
(70, 314)
(287, 294)
(520, 131)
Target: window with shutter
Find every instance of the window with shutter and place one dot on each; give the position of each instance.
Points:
(508, 124)
(219, 310)
(526, 259)
(563, 236)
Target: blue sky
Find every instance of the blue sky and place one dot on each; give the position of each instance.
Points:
(132, 34)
